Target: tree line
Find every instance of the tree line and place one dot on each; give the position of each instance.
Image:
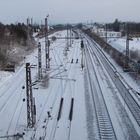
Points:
(10, 35)
(132, 27)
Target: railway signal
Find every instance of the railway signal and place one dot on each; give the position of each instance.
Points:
(82, 44)
(82, 48)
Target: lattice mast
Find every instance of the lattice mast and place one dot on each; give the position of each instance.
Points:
(39, 62)
(29, 96)
(47, 49)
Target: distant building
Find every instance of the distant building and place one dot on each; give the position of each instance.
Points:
(109, 34)
(100, 31)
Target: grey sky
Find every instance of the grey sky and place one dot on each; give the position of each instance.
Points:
(67, 11)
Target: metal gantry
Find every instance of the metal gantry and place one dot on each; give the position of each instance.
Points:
(29, 96)
(15, 136)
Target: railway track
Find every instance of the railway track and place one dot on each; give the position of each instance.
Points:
(124, 92)
(51, 132)
(56, 129)
(105, 127)
(65, 100)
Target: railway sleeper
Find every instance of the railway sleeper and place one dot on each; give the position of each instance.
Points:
(107, 124)
(108, 138)
(106, 130)
(104, 120)
(107, 134)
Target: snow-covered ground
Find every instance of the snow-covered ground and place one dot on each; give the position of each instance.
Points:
(118, 110)
(65, 80)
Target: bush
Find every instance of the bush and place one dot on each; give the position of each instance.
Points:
(53, 38)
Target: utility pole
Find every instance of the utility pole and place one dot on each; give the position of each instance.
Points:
(28, 31)
(106, 36)
(127, 48)
(31, 25)
(31, 22)
(41, 26)
(47, 49)
(70, 37)
(39, 62)
(28, 23)
(106, 33)
(29, 95)
(67, 38)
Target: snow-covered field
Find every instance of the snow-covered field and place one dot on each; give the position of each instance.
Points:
(120, 44)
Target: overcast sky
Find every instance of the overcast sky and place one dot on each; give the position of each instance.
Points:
(69, 11)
